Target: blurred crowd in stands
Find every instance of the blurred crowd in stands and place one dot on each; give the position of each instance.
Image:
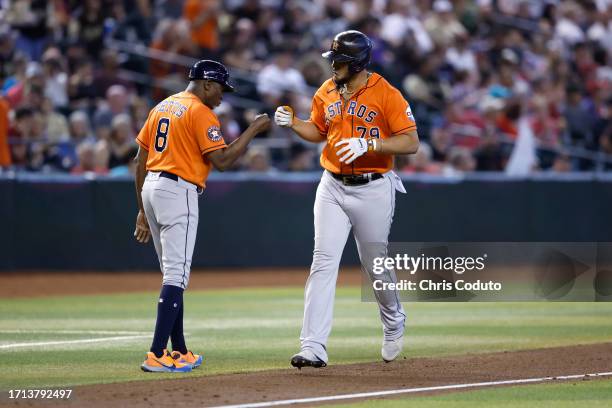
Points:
(78, 77)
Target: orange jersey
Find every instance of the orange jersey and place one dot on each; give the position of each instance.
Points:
(378, 110)
(178, 133)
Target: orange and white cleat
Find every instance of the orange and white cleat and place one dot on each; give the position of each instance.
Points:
(164, 364)
(194, 360)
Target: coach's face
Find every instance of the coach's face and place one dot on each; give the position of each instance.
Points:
(213, 94)
(340, 72)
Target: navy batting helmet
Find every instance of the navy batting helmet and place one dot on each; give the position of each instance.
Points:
(353, 47)
(213, 71)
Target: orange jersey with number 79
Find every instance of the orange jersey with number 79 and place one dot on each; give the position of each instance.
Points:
(178, 133)
(378, 110)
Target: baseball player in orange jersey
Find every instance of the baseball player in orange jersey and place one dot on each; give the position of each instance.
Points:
(364, 122)
(179, 143)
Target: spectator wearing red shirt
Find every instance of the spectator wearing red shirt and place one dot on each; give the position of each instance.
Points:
(5, 153)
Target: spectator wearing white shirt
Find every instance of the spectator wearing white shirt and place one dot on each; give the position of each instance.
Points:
(443, 25)
(568, 28)
(462, 58)
(56, 78)
(278, 79)
(600, 24)
(402, 17)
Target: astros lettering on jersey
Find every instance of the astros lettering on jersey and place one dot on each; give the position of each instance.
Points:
(176, 129)
(378, 110)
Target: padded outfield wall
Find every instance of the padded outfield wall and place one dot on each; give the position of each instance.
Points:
(257, 221)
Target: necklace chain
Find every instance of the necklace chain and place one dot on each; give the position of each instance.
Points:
(344, 88)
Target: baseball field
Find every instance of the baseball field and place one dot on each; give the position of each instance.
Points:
(89, 332)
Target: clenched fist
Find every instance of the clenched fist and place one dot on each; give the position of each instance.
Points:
(261, 123)
(283, 116)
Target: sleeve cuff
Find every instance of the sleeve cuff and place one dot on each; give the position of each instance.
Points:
(213, 148)
(406, 129)
(142, 144)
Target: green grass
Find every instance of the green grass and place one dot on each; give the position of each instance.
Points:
(592, 394)
(256, 329)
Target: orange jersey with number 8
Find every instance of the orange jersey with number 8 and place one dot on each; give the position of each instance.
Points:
(378, 110)
(178, 133)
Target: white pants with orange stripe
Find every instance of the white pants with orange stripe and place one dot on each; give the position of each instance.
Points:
(367, 209)
(171, 208)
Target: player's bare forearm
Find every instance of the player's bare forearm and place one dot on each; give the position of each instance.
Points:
(405, 143)
(224, 158)
(307, 130)
(285, 117)
(141, 172)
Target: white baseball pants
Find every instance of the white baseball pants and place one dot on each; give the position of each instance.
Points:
(368, 209)
(171, 208)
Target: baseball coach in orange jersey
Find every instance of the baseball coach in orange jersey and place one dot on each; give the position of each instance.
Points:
(179, 143)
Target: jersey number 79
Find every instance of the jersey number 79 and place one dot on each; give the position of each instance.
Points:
(161, 137)
(363, 130)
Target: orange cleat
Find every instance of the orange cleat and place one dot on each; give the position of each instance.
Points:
(194, 360)
(164, 364)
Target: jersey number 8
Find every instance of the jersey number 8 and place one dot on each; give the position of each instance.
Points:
(161, 138)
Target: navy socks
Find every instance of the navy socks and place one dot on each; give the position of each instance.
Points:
(177, 336)
(168, 308)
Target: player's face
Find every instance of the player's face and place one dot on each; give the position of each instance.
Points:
(340, 72)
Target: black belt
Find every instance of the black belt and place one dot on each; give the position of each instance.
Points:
(356, 179)
(168, 175)
(176, 178)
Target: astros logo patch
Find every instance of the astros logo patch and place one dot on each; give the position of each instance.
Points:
(214, 134)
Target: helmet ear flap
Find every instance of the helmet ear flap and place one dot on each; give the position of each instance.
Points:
(360, 64)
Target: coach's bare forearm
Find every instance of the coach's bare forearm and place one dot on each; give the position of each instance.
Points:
(141, 173)
(307, 130)
(224, 158)
(407, 143)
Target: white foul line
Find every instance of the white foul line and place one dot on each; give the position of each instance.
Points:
(410, 391)
(50, 331)
(62, 342)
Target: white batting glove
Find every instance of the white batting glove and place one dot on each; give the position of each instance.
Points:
(283, 116)
(355, 147)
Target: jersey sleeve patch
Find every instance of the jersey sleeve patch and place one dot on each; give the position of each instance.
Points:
(409, 113)
(214, 134)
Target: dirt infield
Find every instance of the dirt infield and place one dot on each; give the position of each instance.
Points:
(343, 379)
(48, 283)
